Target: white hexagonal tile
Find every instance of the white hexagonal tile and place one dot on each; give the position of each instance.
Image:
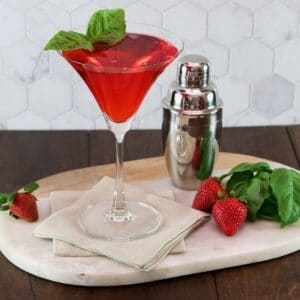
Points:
(229, 24)
(3, 125)
(151, 102)
(44, 20)
(100, 123)
(114, 3)
(296, 103)
(59, 67)
(217, 54)
(292, 3)
(287, 118)
(22, 5)
(49, 97)
(251, 60)
(272, 96)
(153, 120)
(247, 118)
(27, 121)
(1, 62)
(84, 102)
(26, 63)
(72, 121)
(234, 93)
(168, 75)
(161, 5)
(274, 24)
(177, 18)
(252, 4)
(12, 25)
(140, 13)
(287, 57)
(13, 98)
(208, 4)
(68, 5)
(80, 16)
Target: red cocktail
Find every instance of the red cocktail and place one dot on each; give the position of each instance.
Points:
(119, 77)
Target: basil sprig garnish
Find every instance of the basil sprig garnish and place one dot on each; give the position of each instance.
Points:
(106, 26)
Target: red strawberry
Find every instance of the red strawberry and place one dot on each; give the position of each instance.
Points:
(24, 207)
(208, 193)
(230, 214)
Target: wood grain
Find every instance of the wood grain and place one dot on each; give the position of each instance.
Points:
(135, 171)
(26, 156)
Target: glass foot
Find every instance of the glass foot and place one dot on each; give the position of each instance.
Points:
(140, 220)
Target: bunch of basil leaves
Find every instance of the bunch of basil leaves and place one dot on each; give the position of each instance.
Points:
(268, 194)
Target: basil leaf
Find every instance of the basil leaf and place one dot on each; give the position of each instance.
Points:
(255, 194)
(238, 183)
(269, 210)
(68, 40)
(285, 185)
(30, 187)
(107, 26)
(243, 167)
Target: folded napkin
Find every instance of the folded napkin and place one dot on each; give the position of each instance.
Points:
(63, 199)
(144, 254)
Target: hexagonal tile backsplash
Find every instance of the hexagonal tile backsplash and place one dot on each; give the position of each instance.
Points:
(253, 45)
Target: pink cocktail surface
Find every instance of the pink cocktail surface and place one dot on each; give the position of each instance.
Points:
(119, 76)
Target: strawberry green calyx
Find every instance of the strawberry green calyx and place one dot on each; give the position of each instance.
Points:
(31, 187)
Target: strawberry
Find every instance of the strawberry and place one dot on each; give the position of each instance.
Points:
(24, 207)
(230, 214)
(21, 205)
(208, 193)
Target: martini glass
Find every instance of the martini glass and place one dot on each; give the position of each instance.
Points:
(119, 77)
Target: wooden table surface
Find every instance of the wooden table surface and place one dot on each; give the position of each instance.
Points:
(26, 156)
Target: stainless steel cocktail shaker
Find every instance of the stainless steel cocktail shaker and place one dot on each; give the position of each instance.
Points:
(192, 123)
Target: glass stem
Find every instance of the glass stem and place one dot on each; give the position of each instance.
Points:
(119, 206)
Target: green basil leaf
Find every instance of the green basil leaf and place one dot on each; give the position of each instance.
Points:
(285, 185)
(107, 26)
(269, 210)
(68, 40)
(239, 182)
(255, 194)
(252, 167)
(31, 187)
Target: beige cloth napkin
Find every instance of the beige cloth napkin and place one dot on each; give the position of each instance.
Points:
(63, 199)
(144, 254)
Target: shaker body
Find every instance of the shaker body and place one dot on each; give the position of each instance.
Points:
(185, 140)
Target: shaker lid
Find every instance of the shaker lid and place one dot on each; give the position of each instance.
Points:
(193, 93)
(193, 71)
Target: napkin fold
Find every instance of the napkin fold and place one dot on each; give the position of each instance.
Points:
(63, 199)
(178, 221)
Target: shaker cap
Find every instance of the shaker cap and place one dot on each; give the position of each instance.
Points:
(193, 93)
(193, 71)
